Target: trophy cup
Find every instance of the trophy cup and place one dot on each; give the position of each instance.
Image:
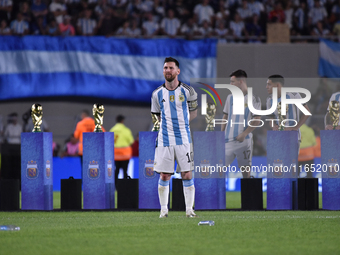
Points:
(210, 116)
(281, 117)
(98, 114)
(155, 121)
(36, 114)
(334, 113)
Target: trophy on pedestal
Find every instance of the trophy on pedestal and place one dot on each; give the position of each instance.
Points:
(36, 114)
(155, 121)
(98, 114)
(334, 113)
(210, 116)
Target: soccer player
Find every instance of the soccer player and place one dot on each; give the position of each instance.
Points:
(328, 120)
(175, 103)
(238, 136)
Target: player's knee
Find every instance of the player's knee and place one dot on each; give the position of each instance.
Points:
(165, 177)
(186, 175)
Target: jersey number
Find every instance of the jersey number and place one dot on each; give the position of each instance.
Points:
(190, 157)
(246, 154)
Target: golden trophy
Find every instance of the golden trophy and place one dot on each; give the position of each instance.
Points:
(210, 116)
(98, 114)
(36, 114)
(155, 121)
(281, 117)
(334, 113)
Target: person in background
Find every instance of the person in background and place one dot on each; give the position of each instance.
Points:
(13, 129)
(135, 146)
(66, 28)
(71, 148)
(123, 140)
(86, 124)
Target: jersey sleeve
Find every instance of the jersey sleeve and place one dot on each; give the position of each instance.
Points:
(330, 100)
(226, 105)
(155, 107)
(257, 103)
(192, 99)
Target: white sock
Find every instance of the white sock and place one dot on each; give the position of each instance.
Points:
(189, 193)
(163, 194)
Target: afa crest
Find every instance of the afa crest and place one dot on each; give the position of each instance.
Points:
(32, 170)
(148, 169)
(278, 168)
(205, 169)
(109, 169)
(333, 168)
(48, 169)
(181, 97)
(93, 170)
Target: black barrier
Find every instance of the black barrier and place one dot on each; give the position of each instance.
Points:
(308, 194)
(251, 194)
(9, 195)
(70, 194)
(10, 161)
(127, 193)
(178, 201)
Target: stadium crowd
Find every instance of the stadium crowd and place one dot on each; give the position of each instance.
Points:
(228, 20)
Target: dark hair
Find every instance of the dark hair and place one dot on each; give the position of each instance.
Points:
(277, 78)
(239, 74)
(170, 59)
(120, 118)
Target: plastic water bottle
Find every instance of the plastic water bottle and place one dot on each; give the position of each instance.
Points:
(207, 222)
(9, 228)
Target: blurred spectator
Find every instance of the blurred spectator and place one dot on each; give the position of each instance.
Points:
(150, 27)
(306, 153)
(336, 30)
(181, 10)
(301, 20)
(87, 26)
(26, 11)
(170, 26)
(317, 13)
(71, 148)
(135, 146)
(52, 28)
(66, 28)
(289, 14)
(13, 129)
(158, 11)
(256, 7)
(134, 9)
(5, 9)
(335, 16)
(38, 8)
(204, 12)
(277, 15)
(205, 30)
(101, 8)
(189, 29)
(124, 30)
(4, 29)
(38, 27)
(58, 9)
(19, 26)
(222, 15)
(244, 11)
(115, 3)
(254, 29)
(73, 7)
(135, 31)
(107, 24)
(147, 6)
(120, 13)
(237, 27)
(319, 30)
(221, 32)
(55, 149)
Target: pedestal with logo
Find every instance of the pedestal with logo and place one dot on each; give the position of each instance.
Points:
(98, 171)
(36, 171)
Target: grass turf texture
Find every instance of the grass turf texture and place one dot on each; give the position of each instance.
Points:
(235, 232)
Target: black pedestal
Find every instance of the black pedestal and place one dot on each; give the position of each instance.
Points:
(9, 195)
(308, 194)
(178, 202)
(127, 193)
(251, 194)
(10, 161)
(70, 194)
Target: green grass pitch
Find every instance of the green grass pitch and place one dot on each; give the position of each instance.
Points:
(116, 232)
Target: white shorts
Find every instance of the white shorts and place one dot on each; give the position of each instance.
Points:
(242, 151)
(165, 158)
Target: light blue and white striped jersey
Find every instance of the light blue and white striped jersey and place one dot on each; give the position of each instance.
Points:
(87, 25)
(233, 129)
(19, 27)
(174, 107)
(171, 26)
(334, 97)
(292, 111)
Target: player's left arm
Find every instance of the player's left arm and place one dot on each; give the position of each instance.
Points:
(301, 121)
(192, 103)
(193, 114)
(249, 129)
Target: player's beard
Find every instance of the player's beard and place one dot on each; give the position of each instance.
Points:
(169, 77)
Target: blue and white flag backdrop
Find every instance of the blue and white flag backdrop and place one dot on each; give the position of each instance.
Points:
(123, 69)
(329, 61)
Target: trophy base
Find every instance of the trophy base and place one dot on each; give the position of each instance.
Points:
(209, 129)
(36, 130)
(98, 130)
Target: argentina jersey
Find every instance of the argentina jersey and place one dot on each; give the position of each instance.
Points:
(174, 107)
(292, 111)
(334, 97)
(238, 123)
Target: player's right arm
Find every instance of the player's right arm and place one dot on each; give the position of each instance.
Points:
(225, 117)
